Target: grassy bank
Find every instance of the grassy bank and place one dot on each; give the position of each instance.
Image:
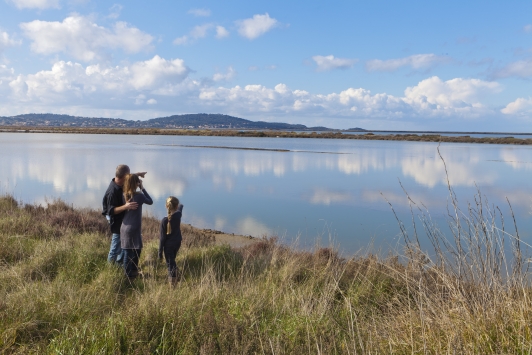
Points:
(58, 295)
(273, 134)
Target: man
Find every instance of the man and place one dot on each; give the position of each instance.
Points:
(114, 210)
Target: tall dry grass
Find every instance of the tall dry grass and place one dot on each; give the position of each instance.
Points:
(469, 295)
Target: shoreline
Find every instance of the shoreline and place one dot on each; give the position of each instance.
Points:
(220, 237)
(433, 137)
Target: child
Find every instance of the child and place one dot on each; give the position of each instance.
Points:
(170, 237)
(130, 231)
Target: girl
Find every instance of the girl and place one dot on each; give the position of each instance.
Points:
(130, 237)
(170, 237)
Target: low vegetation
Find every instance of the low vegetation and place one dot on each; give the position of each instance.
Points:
(59, 296)
(273, 134)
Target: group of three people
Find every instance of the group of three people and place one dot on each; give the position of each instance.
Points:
(122, 206)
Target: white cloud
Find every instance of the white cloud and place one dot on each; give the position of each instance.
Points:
(256, 26)
(115, 10)
(82, 38)
(181, 40)
(35, 4)
(430, 98)
(6, 41)
(452, 97)
(527, 28)
(520, 106)
(327, 63)
(200, 31)
(416, 62)
(167, 82)
(200, 12)
(231, 73)
(71, 82)
(520, 69)
(196, 33)
(221, 32)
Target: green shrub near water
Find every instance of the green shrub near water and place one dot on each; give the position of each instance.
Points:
(59, 296)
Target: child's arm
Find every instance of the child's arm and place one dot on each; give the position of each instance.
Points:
(162, 236)
(147, 198)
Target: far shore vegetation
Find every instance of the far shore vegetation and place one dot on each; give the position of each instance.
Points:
(471, 294)
(429, 137)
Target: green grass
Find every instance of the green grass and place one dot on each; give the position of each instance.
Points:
(59, 296)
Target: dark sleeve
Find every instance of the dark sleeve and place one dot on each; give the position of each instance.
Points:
(111, 204)
(180, 208)
(162, 236)
(147, 198)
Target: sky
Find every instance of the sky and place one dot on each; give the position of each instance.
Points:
(400, 65)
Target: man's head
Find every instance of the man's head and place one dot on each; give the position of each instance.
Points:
(120, 175)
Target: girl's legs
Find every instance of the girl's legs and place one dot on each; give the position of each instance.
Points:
(131, 262)
(170, 254)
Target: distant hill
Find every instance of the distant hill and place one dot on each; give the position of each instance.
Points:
(199, 120)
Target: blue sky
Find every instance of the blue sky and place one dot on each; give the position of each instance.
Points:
(438, 65)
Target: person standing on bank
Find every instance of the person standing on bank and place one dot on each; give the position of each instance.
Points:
(130, 231)
(170, 237)
(114, 209)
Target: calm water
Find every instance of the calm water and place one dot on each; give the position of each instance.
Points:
(310, 189)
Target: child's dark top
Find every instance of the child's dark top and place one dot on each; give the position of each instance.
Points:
(173, 239)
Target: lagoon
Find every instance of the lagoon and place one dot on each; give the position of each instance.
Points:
(306, 189)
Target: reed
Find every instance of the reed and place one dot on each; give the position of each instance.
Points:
(469, 295)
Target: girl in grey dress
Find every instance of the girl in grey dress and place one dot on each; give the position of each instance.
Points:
(130, 231)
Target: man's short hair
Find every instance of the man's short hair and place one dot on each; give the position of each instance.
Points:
(121, 171)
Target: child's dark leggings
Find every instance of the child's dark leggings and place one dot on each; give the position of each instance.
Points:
(170, 253)
(131, 262)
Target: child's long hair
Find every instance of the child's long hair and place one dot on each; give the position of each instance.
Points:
(171, 206)
(130, 186)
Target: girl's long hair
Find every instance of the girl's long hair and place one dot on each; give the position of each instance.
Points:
(171, 206)
(130, 186)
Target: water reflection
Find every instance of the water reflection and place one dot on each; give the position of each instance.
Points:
(341, 184)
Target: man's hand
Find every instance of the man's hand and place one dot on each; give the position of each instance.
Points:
(131, 205)
(141, 174)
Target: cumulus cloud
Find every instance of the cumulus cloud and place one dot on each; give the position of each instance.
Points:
(228, 76)
(6, 41)
(221, 32)
(416, 62)
(429, 98)
(167, 83)
(455, 96)
(519, 69)
(327, 63)
(520, 106)
(197, 32)
(71, 82)
(256, 26)
(35, 4)
(527, 28)
(200, 12)
(83, 39)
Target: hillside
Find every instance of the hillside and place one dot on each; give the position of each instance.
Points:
(195, 121)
